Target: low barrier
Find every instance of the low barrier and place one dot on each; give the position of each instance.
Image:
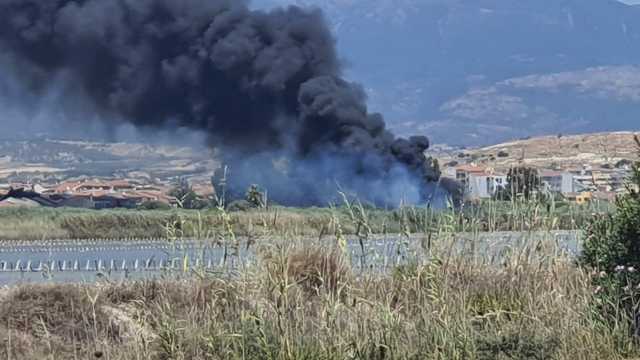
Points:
(184, 255)
(113, 265)
(98, 245)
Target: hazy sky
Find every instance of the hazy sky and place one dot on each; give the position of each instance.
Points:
(631, 1)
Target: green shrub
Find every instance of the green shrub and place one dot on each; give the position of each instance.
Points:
(614, 239)
(239, 206)
(612, 250)
(154, 205)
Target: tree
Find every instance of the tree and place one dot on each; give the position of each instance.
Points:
(219, 183)
(522, 182)
(187, 198)
(612, 247)
(433, 169)
(255, 197)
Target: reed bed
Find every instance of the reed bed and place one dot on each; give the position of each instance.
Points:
(303, 298)
(489, 216)
(302, 301)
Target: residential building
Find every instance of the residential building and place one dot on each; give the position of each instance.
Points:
(463, 172)
(484, 186)
(606, 180)
(93, 185)
(479, 182)
(104, 194)
(90, 194)
(561, 182)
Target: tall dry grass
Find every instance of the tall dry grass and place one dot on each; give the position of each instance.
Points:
(303, 299)
(37, 224)
(304, 302)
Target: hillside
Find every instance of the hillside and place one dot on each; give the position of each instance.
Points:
(598, 150)
(481, 72)
(22, 160)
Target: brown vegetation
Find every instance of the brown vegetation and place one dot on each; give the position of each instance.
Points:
(308, 305)
(569, 151)
(52, 224)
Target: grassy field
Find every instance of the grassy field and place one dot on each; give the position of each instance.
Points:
(303, 302)
(300, 299)
(43, 223)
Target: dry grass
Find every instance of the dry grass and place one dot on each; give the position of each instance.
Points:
(38, 224)
(302, 302)
(312, 268)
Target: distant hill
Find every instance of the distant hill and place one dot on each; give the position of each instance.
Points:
(598, 150)
(51, 159)
(43, 159)
(483, 71)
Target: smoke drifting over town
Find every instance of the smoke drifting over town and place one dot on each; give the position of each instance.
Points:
(265, 87)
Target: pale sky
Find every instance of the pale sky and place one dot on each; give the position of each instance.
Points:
(631, 1)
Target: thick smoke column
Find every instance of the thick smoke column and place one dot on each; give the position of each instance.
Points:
(265, 86)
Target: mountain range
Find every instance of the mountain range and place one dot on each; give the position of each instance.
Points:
(477, 72)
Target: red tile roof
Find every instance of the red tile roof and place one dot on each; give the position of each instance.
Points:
(117, 189)
(67, 186)
(88, 185)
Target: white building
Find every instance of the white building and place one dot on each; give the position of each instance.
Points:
(479, 182)
(484, 186)
(558, 181)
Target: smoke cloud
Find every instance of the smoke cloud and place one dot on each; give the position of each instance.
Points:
(265, 87)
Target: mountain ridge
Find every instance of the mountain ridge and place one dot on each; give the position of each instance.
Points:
(417, 59)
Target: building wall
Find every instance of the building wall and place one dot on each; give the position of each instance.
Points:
(78, 202)
(561, 183)
(484, 186)
(567, 183)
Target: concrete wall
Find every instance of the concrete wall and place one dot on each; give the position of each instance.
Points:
(484, 186)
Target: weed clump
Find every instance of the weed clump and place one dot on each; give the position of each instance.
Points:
(312, 268)
(66, 312)
(315, 268)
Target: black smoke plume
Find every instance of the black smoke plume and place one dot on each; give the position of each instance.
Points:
(266, 88)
